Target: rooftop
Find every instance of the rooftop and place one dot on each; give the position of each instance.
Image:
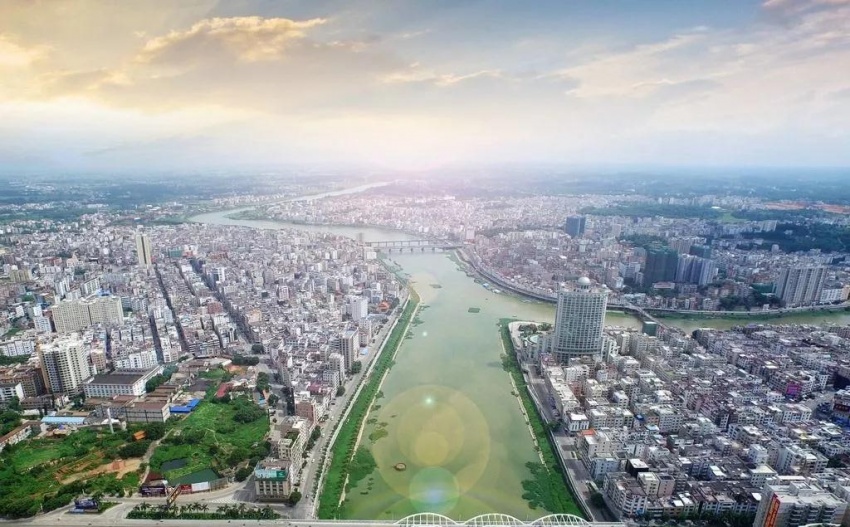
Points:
(115, 378)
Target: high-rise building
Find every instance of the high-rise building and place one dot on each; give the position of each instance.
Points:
(683, 244)
(791, 501)
(74, 315)
(661, 265)
(64, 364)
(575, 225)
(695, 270)
(349, 343)
(579, 320)
(143, 250)
(703, 251)
(801, 286)
(358, 308)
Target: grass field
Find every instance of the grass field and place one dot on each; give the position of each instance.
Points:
(211, 438)
(215, 374)
(32, 472)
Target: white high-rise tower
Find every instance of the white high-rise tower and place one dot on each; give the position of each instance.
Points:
(579, 320)
(64, 364)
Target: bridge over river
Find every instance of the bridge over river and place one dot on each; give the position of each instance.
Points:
(115, 517)
(413, 246)
(428, 519)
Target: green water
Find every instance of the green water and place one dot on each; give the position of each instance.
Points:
(447, 409)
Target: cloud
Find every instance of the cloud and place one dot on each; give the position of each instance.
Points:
(415, 73)
(207, 77)
(241, 64)
(13, 55)
(247, 38)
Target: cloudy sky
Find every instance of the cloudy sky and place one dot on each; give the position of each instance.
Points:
(103, 85)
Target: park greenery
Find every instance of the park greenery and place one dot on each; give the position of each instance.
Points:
(157, 380)
(263, 382)
(9, 361)
(47, 473)
(348, 461)
(242, 360)
(218, 435)
(794, 237)
(9, 420)
(547, 488)
(201, 511)
(654, 210)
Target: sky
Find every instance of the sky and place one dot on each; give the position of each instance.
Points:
(411, 85)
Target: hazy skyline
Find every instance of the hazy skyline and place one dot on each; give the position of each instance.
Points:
(416, 85)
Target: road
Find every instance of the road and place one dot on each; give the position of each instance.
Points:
(307, 506)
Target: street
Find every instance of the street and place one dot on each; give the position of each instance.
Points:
(307, 506)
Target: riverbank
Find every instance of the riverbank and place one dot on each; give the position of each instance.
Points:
(713, 319)
(244, 215)
(344, 446)
(548, 488)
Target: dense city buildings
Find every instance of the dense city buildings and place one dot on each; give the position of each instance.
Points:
(659, 422)
(792, 501)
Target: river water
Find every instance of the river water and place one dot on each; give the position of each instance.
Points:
(447, 412)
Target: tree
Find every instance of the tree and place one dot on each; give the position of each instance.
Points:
(243, 473)
(258, 348)
(134, 449)
(294, 498)
(273, 399)
(242, 360)
(238, 455)
(356, 366)
(154, 431)
(15, 404)
(597, 500)
(246, 410)
(340, 391)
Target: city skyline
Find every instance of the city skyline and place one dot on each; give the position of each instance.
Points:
(103, 86)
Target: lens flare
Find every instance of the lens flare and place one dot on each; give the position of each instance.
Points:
(434, 489)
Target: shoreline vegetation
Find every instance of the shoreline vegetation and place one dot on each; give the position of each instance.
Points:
(547, 489)
(349, 463)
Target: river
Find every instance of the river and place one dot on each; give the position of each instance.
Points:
(447, 412)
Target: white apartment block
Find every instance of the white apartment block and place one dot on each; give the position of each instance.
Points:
(142, 360)
(17, 347)
(74, 315)
(64, 364)
(10, 390)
